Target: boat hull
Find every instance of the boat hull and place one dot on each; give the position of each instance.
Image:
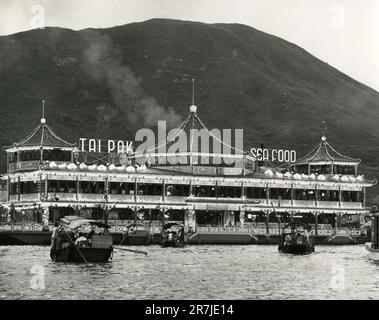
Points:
(174, 244)
(374, 253)
(296, 249)
(71, 254)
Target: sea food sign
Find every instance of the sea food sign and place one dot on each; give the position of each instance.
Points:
(105, 146)
(274, 155)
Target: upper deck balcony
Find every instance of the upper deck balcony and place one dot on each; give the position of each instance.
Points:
(41, 146)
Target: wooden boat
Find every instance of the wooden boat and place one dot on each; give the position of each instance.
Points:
(173, 235)
(81, 240)
(136, 234)
(295, 239)
(373, 246)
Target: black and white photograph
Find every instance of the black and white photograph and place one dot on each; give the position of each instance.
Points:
(203, 151)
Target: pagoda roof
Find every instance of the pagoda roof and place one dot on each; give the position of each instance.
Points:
(43, 136)
(325, 153)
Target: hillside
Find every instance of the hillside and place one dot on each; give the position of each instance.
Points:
(108, 83)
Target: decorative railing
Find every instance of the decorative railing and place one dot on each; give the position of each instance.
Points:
(25, 227)
(260, 228)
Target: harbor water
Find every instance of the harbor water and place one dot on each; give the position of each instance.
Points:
(194, 272)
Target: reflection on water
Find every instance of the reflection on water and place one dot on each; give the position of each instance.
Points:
(195, 272)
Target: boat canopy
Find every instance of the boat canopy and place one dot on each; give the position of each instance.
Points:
(74, 222)
(136, 225)
(172, 224)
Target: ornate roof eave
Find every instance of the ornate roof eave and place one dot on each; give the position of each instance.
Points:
(343, 163)
(46, 132)
(321, 150)
(27, 148)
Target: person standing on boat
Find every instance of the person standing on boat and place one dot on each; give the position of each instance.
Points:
(55, 237)
(81, 238)
(288, 239)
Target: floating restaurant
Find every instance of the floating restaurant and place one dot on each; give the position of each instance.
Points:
(244, 201)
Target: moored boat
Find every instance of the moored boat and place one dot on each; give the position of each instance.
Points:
(295, 238)
(81, 240)
(173, 235)
(373, 246)
(136, 234)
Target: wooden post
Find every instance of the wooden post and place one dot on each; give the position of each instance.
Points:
(41, 156)
(8, 188)
(135, 189)
(292, 195)
(77, 188)
(316, 223)
(18, 188)
(164, 190)
(190, 188)
(316, 195)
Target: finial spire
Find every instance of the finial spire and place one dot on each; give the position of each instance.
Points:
(324, 127)
(193, 108)
(43, 120)
(193, 91)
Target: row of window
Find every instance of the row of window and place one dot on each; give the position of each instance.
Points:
(123, 188)
(34, 155)
(325, 169)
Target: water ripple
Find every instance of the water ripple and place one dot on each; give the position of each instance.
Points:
(194, 272)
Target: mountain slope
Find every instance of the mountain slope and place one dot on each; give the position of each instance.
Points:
(108, 83)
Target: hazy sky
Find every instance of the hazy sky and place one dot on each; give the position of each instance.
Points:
(344, 33)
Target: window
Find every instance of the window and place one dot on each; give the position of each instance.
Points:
(256, 193)
(150, 189)
(351, 196)
(204, 191)
(346, 170)
(328, 195)
(57, 155)
(126, 188)
(61, 186)
(27, 187)
(229, 192)
(280, 193)
(13, 188)
(177, 190)
(31, 155)
(304, 194)
(321, 169)
(95, 187)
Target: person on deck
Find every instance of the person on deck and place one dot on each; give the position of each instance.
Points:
(81, 238)
(288, 239)
(299, 238)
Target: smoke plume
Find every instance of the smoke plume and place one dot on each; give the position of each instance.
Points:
(103, 61)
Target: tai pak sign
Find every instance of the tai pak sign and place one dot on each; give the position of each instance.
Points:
(105, 146)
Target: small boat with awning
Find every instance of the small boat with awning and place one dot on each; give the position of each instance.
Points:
(373, 246)
(76, 239)
(136, 234)
(295, 238)
(173, 235)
